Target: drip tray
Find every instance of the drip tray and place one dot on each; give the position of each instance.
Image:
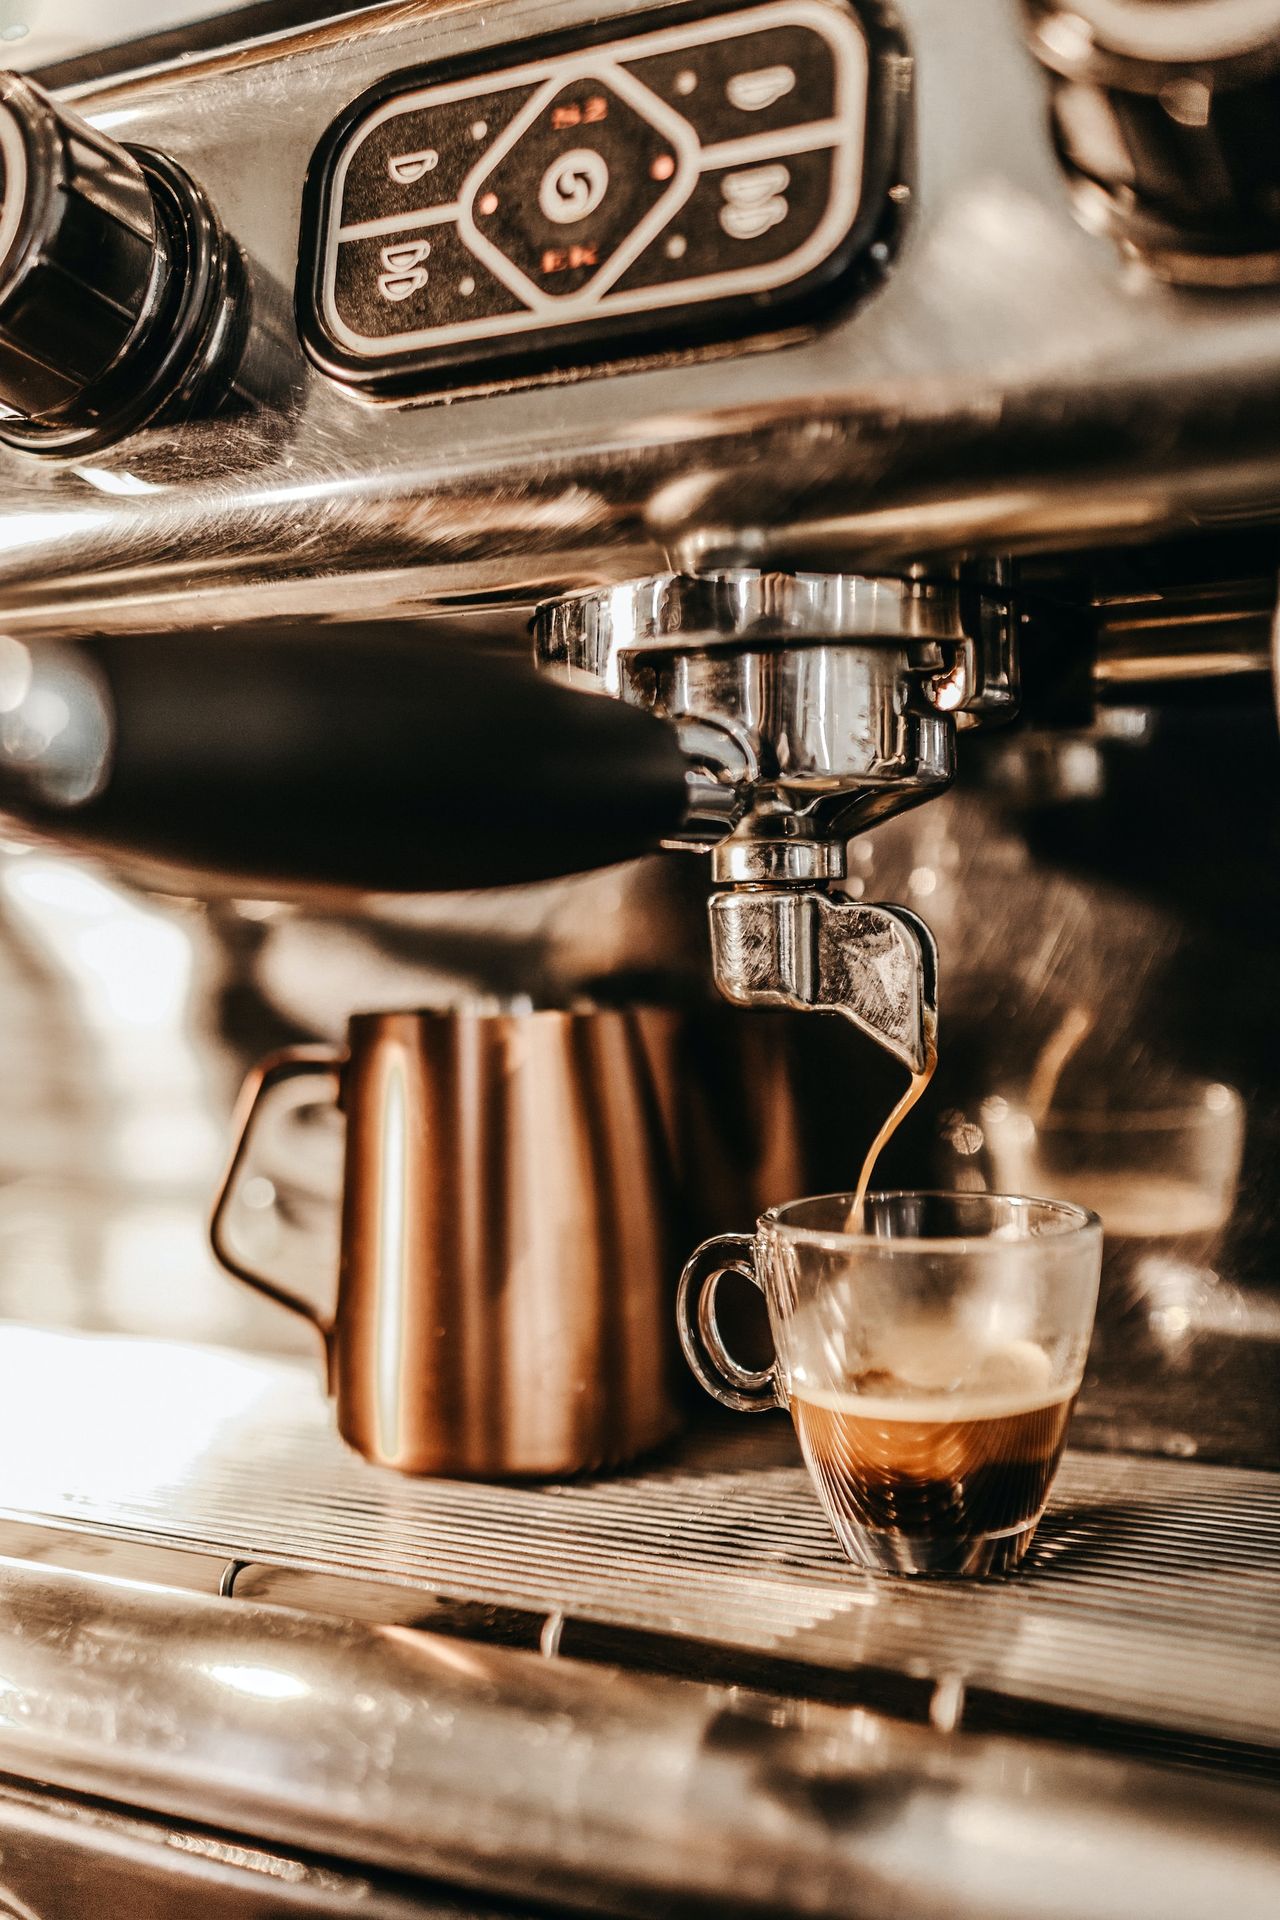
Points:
(1148, 1612)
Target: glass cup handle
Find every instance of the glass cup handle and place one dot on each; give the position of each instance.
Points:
(745, 1389)
(263, 1085)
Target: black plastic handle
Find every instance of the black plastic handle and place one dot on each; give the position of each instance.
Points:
(374, 757)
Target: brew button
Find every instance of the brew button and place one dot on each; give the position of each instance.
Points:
(754, 200)
(419, 159)
(404, 269)
(392, 284)
(762, 82)
(739, 217)
(574, 186)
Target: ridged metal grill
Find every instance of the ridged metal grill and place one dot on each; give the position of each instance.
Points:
(1151, 1596)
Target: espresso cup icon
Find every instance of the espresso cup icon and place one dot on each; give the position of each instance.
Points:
(755, 200)
(403, 270)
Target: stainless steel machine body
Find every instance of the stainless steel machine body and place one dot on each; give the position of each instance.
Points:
(1029, 428)
(1009, 385)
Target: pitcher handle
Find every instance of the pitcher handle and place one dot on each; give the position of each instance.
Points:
(745, 1389)
(262, 1084)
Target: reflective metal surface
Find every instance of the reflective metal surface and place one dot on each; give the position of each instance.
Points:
(1059, 397)
(509, 1212)
(75, 38)
(1146, 1614)
(837, 736)
(1162, 111)
(878, 966)
(1207, 631)
(514, 1773)
(64, 1857)
(593, 633)
(1139, 30)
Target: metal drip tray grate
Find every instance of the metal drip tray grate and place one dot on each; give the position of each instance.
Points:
(1152, 1594)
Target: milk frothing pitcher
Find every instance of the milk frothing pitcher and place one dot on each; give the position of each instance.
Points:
(506, 1271)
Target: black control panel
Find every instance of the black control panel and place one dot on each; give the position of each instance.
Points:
(699, 179)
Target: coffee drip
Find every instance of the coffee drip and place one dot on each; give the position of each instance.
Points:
(894, 1119)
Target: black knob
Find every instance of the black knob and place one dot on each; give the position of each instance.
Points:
(1166, 115)
(113, 277)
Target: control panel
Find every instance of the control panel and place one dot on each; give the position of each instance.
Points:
(594, 195)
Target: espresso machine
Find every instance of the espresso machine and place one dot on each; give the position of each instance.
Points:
(769, 509)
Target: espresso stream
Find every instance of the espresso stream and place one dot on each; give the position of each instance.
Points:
(894, 1119)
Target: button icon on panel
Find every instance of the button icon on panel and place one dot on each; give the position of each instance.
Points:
(735, 85)
(403, 272)
(451, 289)
(408, 168)
(574, 185)
(408, 156)
(551, 213)
(759, 88)
(754, 200)
(726, 229)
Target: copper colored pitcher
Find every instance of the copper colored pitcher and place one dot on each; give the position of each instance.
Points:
(506, 1272)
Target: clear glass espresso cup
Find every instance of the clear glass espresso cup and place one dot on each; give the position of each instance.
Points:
(929, 1360)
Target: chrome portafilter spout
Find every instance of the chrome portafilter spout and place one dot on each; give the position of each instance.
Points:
(876, 965)
(809, 707)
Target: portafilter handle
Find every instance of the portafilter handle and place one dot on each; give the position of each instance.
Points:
(371, 757)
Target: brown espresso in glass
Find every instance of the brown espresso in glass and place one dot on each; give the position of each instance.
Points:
(960, 1479)
(950, 1481)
